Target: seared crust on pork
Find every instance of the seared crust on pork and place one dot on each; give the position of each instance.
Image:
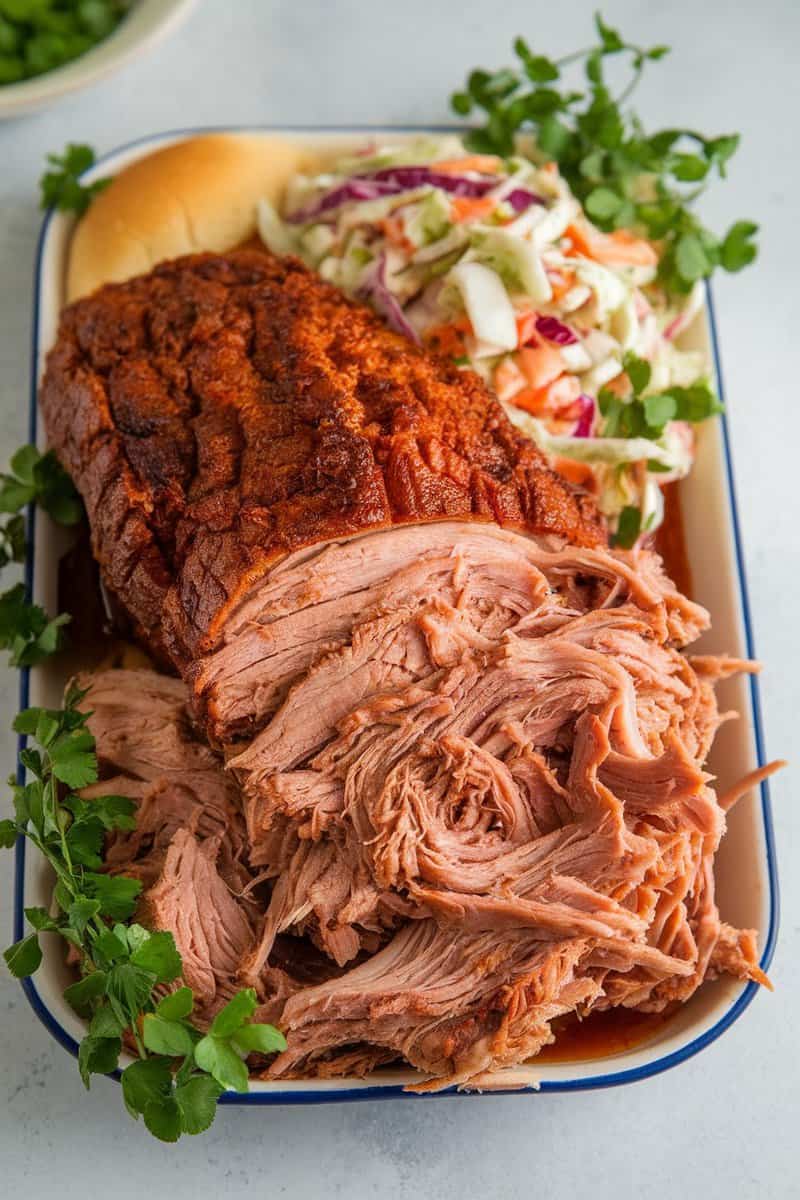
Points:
(224, 410)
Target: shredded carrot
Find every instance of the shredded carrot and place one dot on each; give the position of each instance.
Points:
(540, 364)
(550, 399)
(526, 329)
(394, 232)
(561, 282)
(620, 248)
(471, 208)
(507, 379)
(581, 242)
(487, 164)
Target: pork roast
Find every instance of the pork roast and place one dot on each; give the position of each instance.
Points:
(464, 746)
(222, 411)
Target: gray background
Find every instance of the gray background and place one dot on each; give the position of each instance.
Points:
(724, 1124)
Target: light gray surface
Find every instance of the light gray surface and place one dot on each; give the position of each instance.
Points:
(722, 1125)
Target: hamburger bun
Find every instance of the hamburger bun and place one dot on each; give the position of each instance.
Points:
(198, 194)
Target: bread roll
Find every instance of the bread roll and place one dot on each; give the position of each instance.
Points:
(198, 194)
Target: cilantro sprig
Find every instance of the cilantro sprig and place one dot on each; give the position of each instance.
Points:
(39, 478)
(643, 414)
(12, 540)
(623, 177)
(25, 629)
(125, 969)
(60, 186)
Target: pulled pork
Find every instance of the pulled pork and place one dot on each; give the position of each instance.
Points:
(474, 782)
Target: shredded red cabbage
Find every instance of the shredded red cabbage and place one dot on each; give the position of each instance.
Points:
(354, 189)
(585, 422)
(390, 181)
(521, 199)
(376, 290)
(555, 331)
(414, 177)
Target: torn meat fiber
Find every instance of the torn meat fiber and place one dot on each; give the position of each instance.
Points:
(478, 794)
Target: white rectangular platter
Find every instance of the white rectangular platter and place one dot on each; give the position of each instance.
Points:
(746, 878)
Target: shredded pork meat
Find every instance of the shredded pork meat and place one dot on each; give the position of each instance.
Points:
(472, 777)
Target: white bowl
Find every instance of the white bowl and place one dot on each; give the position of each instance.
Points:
(146, 23)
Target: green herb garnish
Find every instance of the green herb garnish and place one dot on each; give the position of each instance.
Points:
(60, 186)
(39, 35)
(180, 1072)
(25, 629)
(629, 527)
(623, 177)
(642, 415)
(40, 479)
(12, 540)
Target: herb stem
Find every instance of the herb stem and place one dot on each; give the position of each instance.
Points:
(632, 84)
(574, 57)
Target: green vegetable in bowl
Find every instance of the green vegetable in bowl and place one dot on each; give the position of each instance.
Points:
(39, 35)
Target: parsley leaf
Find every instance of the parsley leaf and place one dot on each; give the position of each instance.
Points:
(166, 1037)
(81, 912)
(144, 1081)
(159, 955)
(12, 540)
(72, 758)
(176, 1005)
(638, 371)
(129, 986)
(215, 1055)
(124, 965)
(197, 1103)
(645, 415)
(98, 1056)
(25, 629)
(235, 1013)
(163, 1119)
(81, 994)
(264, 1039)
(738, 249)
(117, 894)
(40, 478)
(605, 155)
(659, 409)
(60, 186)
(628, 527)
(105, 1023)
(8, 834)
(24, 957)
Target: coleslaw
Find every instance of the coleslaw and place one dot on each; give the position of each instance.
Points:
(492, 262)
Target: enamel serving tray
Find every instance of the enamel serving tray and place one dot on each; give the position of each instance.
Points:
(746, 876)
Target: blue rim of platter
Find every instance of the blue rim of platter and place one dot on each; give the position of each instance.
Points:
(394, 1091)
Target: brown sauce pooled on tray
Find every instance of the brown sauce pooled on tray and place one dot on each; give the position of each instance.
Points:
(96, 638)
(600, 1035)
(670, 540)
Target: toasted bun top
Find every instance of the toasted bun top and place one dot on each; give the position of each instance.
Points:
(199, 194)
